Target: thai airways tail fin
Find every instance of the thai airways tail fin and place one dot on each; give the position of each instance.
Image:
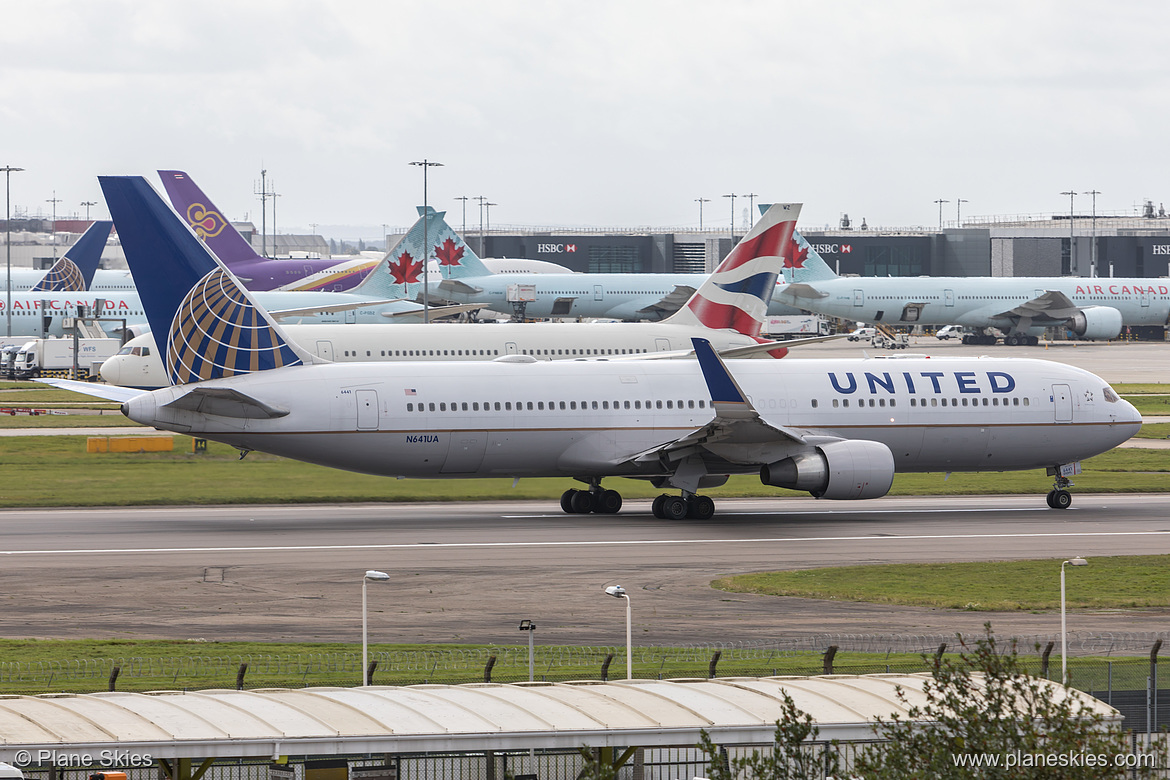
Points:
(737, 294)
(206, 220)
(430, 237)
(804, 264)
(73, 271)
(205, 323)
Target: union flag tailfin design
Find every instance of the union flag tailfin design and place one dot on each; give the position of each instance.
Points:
(737, 294)
(203, 320)
(73, 271)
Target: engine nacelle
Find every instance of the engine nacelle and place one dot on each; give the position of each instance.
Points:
(1096, 322)
(843, 470)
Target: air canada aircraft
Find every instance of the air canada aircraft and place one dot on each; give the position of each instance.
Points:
(728, 310)
(838, 428)
(1021, 307)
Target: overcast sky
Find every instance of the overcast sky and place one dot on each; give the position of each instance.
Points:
(599, 113)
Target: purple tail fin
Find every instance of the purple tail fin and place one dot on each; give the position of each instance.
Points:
(205, 219)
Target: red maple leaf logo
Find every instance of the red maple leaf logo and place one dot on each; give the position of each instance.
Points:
(795, 255)
(448, 253)
(405, 270)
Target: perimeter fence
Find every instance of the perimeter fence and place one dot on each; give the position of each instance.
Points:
(1121, 669)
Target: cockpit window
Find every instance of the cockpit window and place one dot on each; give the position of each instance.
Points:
(125, 350)
(1110, 396)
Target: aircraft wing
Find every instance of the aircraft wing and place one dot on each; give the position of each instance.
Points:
(282, 314)
(108, 392)
(737, 433)
(457, 287)
(1052, 306)
(437, 311)
(225, 402)
(802, 290)
(669, 303)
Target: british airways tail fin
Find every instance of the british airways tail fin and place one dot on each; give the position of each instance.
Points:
(205, 324)
(206, 220)
(73, 271)
(737, 294)
(804, 264)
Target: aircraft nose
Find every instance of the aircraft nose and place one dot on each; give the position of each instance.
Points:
(111, 371)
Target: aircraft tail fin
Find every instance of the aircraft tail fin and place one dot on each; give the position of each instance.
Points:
(737, 294)
(805, 265)
(205, 219)
(205, 323)
(73, 271)
(400, 272)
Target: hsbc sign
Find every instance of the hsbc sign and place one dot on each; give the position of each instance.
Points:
(832, 249)
(555, 249)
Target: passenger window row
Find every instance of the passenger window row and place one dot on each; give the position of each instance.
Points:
(540, 406)
(861, 403)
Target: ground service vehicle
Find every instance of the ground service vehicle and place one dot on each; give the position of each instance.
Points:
(54, 357)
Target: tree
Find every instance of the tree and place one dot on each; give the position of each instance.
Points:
(793, 755)
(985, 717)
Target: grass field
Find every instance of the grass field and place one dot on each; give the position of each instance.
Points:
(1123, 582)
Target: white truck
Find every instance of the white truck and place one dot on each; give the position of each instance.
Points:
(796, 326)
(54, 357)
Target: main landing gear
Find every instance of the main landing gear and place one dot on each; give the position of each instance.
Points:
(696, 507)
(595, 499)
(1059, 497)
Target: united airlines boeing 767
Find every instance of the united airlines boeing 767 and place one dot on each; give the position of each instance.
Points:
(838, 428)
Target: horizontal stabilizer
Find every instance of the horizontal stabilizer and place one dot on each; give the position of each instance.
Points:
(225, 402)
(283, 314)
(669, 303)
(458, 288)
(108, 392)
(802, 290)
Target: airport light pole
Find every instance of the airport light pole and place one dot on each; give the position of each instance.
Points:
(959, 211)
(1072, 266)
(618, 592)
(370, 576)
(940, 203)
(54, 200)
(1093, 235)
(488, 209)
(701, 201)
(751, 196)
(530, 627)
(426, 261)
(464, 198)
(8, 171)
(732, 196)
(482, 200)
(1077, 561)
(87, 204)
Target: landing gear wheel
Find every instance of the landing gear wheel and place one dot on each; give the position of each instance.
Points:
(1011, 340)
(700, 508)
(1033, 341)
(1060, 499)
(567, 502)
(674, 508)
(582, 502)
(656, 507)
(607, 502)
(967, 338)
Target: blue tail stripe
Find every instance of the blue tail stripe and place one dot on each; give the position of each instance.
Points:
(759, 285)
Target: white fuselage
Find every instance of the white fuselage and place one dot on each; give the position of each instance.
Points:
(978, 301)
(24, 279)
(593, 418)
(601, 296)
(136, 367)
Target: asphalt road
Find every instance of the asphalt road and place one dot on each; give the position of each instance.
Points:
(462, 573)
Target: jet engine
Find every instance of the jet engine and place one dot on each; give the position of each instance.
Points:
(841, 470)
(1096, 322)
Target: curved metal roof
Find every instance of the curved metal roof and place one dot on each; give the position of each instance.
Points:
(325, 721)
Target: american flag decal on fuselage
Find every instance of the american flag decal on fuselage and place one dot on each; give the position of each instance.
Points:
(218, 333)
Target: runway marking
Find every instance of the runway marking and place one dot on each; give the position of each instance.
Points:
(627, 543)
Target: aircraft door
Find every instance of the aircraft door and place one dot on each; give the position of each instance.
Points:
(1146, 298)
(948, 297)
(325, 349)
(367, 410)
(510, 348)
(350, 316)
(465, 452)
(1062, 398)
(662, 345)
(598, 292)
(858, 297)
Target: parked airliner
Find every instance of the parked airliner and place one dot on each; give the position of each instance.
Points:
(1020, 307)
(76, 270)
(728, 310)
(620, 296)
(837, 428)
